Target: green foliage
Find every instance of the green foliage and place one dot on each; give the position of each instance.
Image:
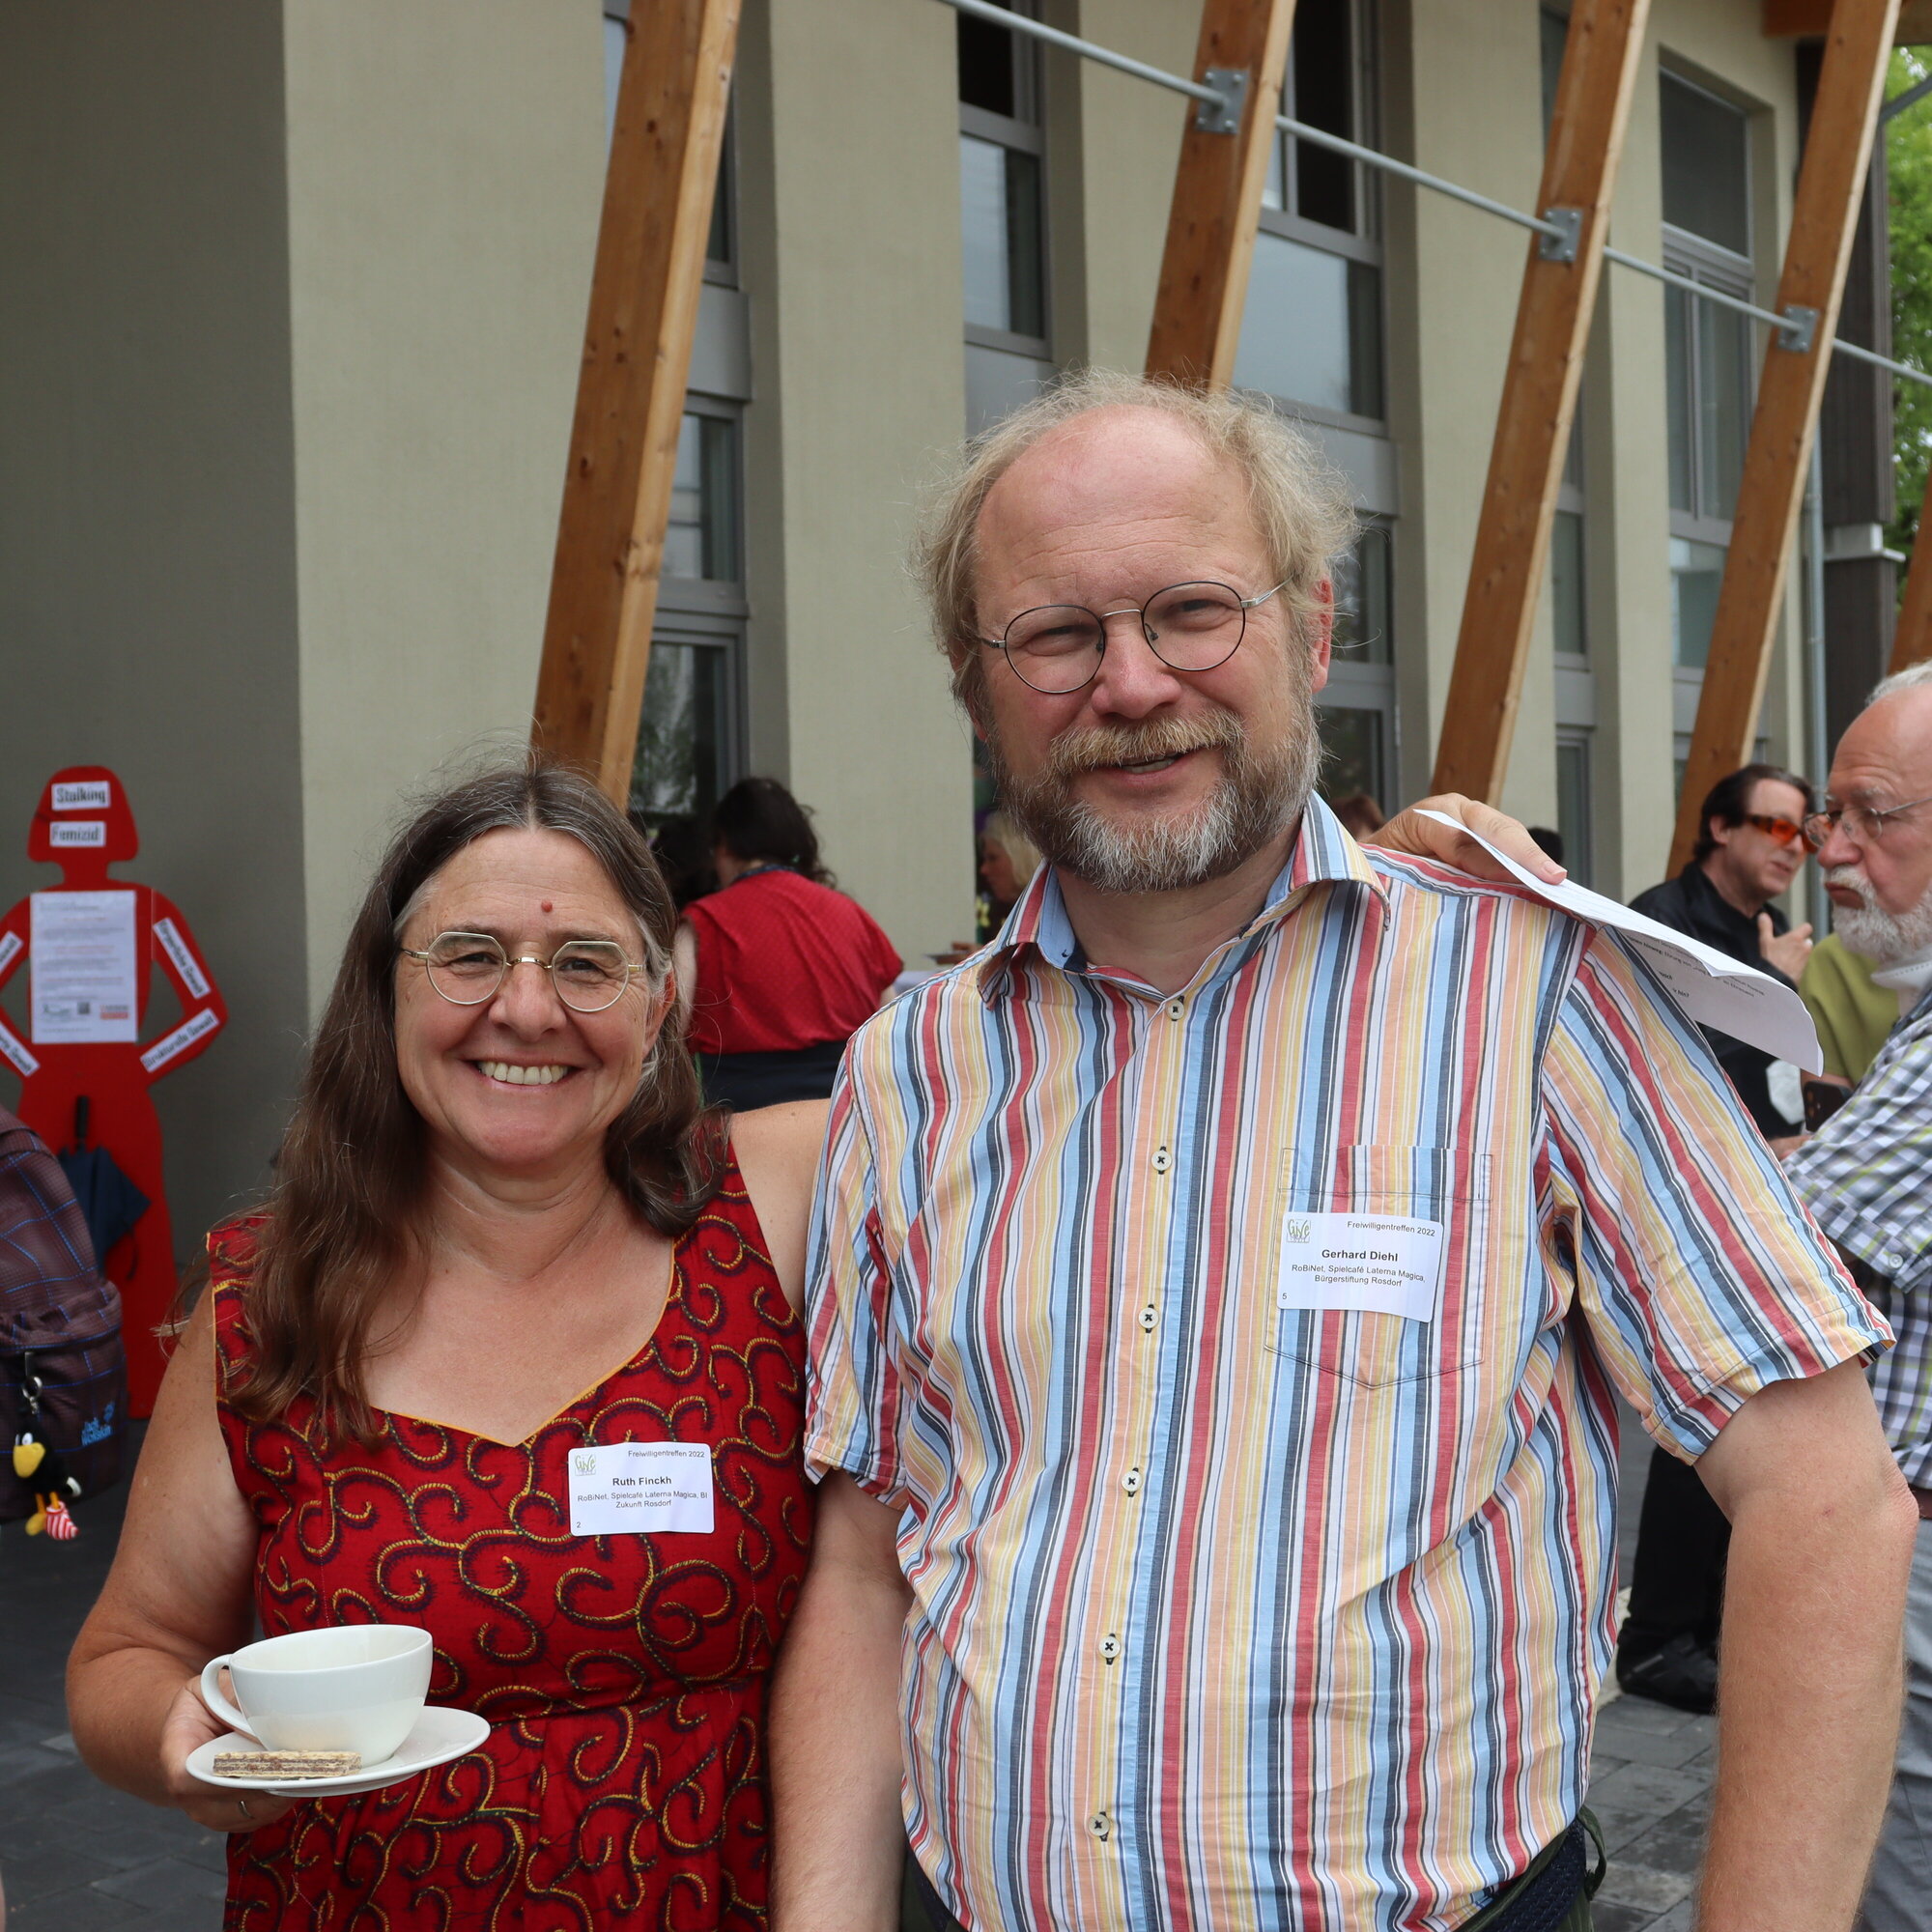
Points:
(1909, 159)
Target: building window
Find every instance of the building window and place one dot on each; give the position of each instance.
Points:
(689, 732)
(1312, 331)
(1573, 802)
(1708, 350)
(1002, 216)
(1355, 710)
(721, 247)
(702, 536)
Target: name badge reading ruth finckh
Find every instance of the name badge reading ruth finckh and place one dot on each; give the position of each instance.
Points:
(647, 1489)
(1380, 1264)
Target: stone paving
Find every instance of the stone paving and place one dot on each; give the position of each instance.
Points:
(76, 1856)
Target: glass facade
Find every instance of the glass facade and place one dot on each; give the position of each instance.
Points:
(1312, 331)
(1000, 235)
(1697, 573)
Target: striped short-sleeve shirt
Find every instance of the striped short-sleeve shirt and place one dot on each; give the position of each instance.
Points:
(1231, 1614)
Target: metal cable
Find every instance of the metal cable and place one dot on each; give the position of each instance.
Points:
(1019, 23)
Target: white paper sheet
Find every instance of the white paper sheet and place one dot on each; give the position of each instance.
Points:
(81, 955)
(1715, 989)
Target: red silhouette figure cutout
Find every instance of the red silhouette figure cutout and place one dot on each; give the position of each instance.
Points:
(92, 942)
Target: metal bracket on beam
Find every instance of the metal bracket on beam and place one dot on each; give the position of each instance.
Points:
(1798, 329)
(1561, 246)
(1223, 115)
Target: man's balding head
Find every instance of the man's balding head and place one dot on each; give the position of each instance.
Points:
(1881, 881)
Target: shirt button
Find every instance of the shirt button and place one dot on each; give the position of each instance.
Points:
(1177, 1007)
(1162, 1160)
(1131, 1482)
(1110, 1648)
(1100, 1825)
(1147, 1319)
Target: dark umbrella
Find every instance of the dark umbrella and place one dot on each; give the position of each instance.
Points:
(109, 1202)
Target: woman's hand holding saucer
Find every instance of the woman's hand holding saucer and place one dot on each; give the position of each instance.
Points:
(190, 1723)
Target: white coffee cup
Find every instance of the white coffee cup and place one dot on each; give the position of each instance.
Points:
(351, 1687)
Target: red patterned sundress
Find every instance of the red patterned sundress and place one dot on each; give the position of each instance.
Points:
(624, 1677)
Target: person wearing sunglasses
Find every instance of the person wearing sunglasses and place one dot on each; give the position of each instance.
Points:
(1751, 847)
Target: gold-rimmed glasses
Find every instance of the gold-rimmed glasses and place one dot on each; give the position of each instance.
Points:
(1057, 648)
(467, 968)
(1869, 824)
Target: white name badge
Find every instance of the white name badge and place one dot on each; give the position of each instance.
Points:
(1380, 1264)
(641, 1489)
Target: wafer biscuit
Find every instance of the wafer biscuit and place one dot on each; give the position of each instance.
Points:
(286, 1763)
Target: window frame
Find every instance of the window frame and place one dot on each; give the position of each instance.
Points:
(1023, 132)
(1364, 244)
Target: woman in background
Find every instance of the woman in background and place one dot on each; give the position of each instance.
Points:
(782, 966)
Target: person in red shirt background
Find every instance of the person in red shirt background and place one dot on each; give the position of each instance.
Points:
(780, 967)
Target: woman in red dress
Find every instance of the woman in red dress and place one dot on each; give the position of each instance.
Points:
(503, 1229)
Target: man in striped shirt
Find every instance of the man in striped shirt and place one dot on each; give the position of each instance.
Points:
(1217, 1291)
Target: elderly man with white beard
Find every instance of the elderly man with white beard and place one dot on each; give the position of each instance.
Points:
(1867, 1177)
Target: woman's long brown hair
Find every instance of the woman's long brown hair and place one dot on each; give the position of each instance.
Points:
(343, 1228)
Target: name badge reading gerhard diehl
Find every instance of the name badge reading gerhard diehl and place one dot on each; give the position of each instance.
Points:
(1380, 1264)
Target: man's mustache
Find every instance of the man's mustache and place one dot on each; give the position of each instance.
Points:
(1850, 879)
(1096, 747)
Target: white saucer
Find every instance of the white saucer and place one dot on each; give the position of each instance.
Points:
(439, 1735)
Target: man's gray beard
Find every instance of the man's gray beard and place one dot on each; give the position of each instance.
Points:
(1885, 938)
(1257, 800)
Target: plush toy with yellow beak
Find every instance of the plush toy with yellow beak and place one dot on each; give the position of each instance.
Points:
(41, 1469)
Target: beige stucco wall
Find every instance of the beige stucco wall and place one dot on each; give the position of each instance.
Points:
(854, 278)
(1130, 141)
(147, 587)
(444, 175)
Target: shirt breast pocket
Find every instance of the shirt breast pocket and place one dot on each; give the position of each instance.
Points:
(1363, 1212)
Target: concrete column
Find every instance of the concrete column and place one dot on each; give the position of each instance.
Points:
(146, 515)
(443, 184)
(853, 269)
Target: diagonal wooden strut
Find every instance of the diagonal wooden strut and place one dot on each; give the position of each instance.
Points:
(1601, 58)
(1911, 641)
(644, 291)
(1824, 219)
(1217, 198)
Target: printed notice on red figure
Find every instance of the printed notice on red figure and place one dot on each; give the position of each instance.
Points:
(81, 963)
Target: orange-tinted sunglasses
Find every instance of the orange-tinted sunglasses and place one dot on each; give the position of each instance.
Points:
(1780, 829)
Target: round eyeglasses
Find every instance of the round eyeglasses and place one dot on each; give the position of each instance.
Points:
(1869, 825)
(1058, 648)
(467, 968)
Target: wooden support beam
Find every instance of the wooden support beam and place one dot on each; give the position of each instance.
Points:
(1824, 219)
(1912, 641)
(663, 171)
(1807, 20)
(1600, 59)
(1217, 198)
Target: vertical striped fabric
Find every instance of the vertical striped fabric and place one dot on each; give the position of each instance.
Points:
(1235, 1616)
(1867, 1176)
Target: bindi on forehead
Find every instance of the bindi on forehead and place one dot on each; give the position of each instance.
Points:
(544, 904)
